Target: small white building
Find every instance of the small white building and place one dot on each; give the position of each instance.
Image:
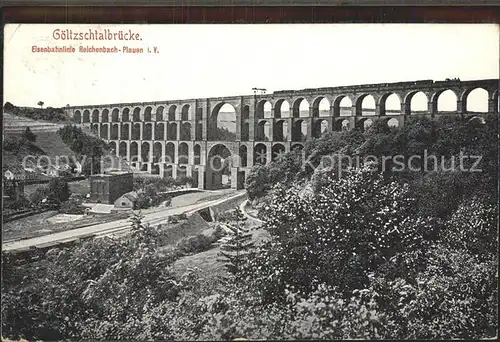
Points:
(126, 201)
(18, 173)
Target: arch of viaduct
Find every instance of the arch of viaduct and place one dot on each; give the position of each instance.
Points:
(172, 138)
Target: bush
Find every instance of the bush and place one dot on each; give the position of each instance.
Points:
(160, 184)
(29, 135)
(176, 218)
(183, 180)
(353, 224)
(48, 114)
(149, 197)
(228, 216)
(143, 201)
(194, 244)
(218, 233)
(55, 192)
(97, 289)
(40, 193)
(73, 206)
(84, 144)
(59, 189)
(172, 219)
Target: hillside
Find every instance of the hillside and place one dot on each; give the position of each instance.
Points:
(48, 141)
(17, 124)
(50, 114)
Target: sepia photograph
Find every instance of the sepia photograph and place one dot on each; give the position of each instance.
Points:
(215, 182)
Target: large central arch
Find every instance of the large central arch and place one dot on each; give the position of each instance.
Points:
(218, 167)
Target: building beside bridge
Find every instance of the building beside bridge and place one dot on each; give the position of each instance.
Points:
(182, 137)
(107, 188)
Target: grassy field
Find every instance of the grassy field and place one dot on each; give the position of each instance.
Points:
(17, 228)
(14, 122)
(208, 261)
(39, 224)
(48, 142)
(52, 144)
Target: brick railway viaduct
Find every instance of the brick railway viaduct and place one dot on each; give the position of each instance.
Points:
(173, 138)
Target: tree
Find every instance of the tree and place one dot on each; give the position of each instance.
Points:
(257, 182)
(29, 135)
(238, 248)
(86, 145)
(352, 225)
(184, 180)
(97, 289)
(58, 190)
(40, 103)
(223, 133)
(9, 107)
(143, 201)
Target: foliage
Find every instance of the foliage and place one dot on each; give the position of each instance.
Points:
(10, 143)
(48, 114)
(29, 135)
(236, 251)
(18, 145)
(228, 216)
(56, 191)
(99, 289)
(72, 206)
(84, 145)
(472, 228)
(40, 103)
(150, 197)
(173, 219)
(224, 134)
(211, 312)
(161, 184)
(19, 204)
(363, 255)
(285, 169)
(439, 144)
(257, 182)
(455, 296)
(435, 144)
(194, 244)
(40, 193)
(183, 180)
(353, 225)
(344, 142)
(218, 233)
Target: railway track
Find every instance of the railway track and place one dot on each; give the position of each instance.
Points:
(118, 227)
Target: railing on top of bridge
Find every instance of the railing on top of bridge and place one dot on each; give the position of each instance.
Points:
(360, 86)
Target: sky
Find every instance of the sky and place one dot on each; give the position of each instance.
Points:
(223, 60)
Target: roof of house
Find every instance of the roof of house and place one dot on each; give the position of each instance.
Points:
(132, 195)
